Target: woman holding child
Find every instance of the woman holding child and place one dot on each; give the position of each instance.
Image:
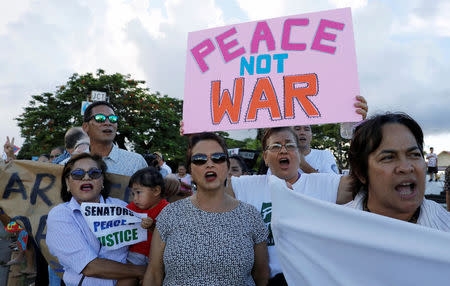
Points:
(68, 235)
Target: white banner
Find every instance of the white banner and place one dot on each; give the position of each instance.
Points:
(114, 226)
(319, 243)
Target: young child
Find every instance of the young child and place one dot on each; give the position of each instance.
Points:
(147, 188)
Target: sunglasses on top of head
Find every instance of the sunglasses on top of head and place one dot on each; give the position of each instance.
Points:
(93, 173)
(100, 118)
(201, 159)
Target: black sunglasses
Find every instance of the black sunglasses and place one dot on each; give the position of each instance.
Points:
(102, 118)
(93, 173)
(200, 159)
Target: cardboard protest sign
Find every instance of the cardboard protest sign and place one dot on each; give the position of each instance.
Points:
(278, 72)
(113, 225)
(29, 190)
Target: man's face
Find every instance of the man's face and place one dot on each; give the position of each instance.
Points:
(431, 150)
(304, 135)
(104, 132)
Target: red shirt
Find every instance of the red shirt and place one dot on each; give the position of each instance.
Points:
(143, 247)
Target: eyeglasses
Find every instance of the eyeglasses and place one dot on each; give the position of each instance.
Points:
(100, 118)
(276, 147)
(201, 159)
(78, 174)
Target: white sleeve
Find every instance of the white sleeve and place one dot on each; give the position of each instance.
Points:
(246, 187)
(322, 186)
(328, 164)
(239, 187)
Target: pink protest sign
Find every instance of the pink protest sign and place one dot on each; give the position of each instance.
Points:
(285, 71)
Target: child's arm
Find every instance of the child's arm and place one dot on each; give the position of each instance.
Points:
(147, 223)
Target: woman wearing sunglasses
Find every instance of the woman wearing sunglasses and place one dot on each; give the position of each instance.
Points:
(68, 235)
(209, 238)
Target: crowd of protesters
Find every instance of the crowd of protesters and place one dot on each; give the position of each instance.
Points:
(210, 223)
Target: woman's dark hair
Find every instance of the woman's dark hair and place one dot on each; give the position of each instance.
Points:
(367, 136)
(202, 137)
(148, 177)
(65, 194)
(270, 131)
(240, 161)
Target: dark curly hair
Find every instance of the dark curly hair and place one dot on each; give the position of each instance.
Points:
(66, 195)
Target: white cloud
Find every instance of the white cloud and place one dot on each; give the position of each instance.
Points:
(11, 12)
(402, 73)
(402, 47)
(163, 58)
(439, 142)
(428, 18)
(262, 9)
(354, 4)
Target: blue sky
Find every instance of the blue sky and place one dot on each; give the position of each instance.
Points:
(402, 48)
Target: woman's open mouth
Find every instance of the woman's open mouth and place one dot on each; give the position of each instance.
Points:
(86, 187)
(210, 176)
(284, 163)
(406, 190)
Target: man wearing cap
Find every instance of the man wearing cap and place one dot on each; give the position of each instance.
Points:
(100, 123)
(162, 164)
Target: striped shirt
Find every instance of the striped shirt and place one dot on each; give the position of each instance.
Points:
(72, 242)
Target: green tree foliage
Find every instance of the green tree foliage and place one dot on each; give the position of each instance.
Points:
(327, 136)
(148, 122)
